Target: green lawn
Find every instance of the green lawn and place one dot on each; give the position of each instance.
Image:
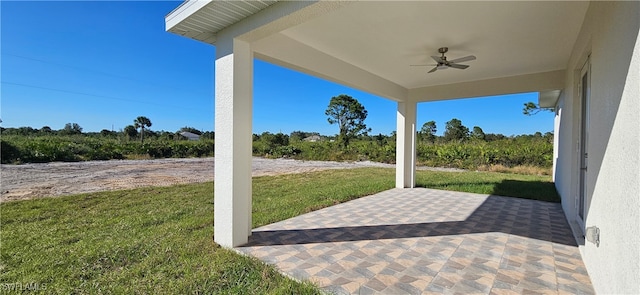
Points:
(512, 185)
(159, 240)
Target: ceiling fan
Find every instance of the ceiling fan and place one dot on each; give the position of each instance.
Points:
(443, 63)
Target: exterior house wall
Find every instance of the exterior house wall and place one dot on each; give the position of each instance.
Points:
(609, 38)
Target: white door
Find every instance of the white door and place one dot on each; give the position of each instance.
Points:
(583, 153)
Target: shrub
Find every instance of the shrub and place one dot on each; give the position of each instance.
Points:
(528, 151)
(8, 152)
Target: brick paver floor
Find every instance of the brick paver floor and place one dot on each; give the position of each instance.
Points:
(415, 241)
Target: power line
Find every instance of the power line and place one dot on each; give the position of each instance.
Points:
(99, 72)
(95, 95)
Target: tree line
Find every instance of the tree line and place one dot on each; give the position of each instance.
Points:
(432, 150)
(30, 145)
(349, 115)
(458, 147)
(130, 132)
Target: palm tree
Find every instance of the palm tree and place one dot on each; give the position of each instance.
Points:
(142, 122)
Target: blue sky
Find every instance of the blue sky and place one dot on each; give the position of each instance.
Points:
(102, 64)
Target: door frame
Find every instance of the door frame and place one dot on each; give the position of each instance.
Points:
(584, 101)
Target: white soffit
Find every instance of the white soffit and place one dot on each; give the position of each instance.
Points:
(385, 38)
(202, 20)
(381, 39)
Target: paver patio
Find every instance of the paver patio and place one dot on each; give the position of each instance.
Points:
(414, 241)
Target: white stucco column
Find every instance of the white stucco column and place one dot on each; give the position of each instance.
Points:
(406, 145)
(233, 115)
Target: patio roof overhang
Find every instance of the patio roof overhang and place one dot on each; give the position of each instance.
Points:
(520, 46)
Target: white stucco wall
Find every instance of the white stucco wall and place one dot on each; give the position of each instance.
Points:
(565, 148)
(610, 35)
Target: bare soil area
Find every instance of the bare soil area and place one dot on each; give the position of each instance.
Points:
(28, 181)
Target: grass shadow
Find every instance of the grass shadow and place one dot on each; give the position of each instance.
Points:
(510, 185)
(534, 190)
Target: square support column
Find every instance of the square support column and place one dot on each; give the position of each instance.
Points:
(406, 145)
(233, 152)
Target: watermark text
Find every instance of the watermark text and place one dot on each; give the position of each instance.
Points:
(23, 286)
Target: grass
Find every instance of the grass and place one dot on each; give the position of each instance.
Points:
(143, 241)
(522, 169)
(535, 187)
(281, 197)
(159, 240)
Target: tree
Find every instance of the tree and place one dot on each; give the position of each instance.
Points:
(297, 135)
(46, 129)
(130, 131)
(531, 108)
(393, 136)
(454, 130)
(71, 128)
(477, 133)
(141, 122)
(26, 130)
(428, 131)
(380, 139)
(493, 137)
(107, 133)
(349, 114)
(273, 140)
(208, 135)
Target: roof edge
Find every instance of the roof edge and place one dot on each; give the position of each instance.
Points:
(182, 12)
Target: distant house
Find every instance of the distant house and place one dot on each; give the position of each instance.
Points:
(190, 136)
(313, 138)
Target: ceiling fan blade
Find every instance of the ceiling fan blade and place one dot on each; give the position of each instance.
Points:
(433, 65)
(433, 70)
(437, 59)
(457, 66)
(463, 59)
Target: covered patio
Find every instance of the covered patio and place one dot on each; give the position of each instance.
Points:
(415, 241)
(582, 57)
(520, 47)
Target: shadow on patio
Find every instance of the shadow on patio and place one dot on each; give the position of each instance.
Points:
(411, 241)
(536, 220)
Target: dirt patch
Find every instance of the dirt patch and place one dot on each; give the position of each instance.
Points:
(30, 181)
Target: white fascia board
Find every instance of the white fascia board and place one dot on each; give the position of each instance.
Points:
(286, 52)
(537, 82)
(182, 12)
